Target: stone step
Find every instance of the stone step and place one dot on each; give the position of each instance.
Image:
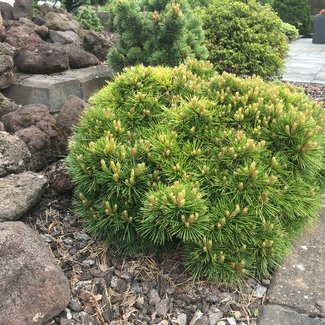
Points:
(53, 90)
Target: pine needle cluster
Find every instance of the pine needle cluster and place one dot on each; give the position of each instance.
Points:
(228, 170)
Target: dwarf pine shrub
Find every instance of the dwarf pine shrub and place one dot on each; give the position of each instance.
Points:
(155, 32)
(245, 38)
(228, 170)
(89, 20)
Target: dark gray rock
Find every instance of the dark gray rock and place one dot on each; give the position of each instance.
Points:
(19, 193)
(44, 58)
(14, 154)
(39, 21)
(33, 288)
(98, 43)
(6, 11)
(276, 315)
(319, 29)
(299, 282)
(64, 37)
(23, 8)
(79, 58)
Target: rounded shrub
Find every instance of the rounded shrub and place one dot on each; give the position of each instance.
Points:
(228, 170)
(291, 31)
(155, 32)
(296, 13)
(89, 20)
(245, 38)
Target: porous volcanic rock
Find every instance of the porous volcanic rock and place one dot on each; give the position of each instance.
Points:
(33, 288)
(6, 71)
(2, 29)
(6, 11)
(37, 128)
(79, 58)
(70, 113)
(14, 154)
(23, 8)
(44, 58)
(62, 21)
(6, 105)
(98, 43)
(19, 193)
(7, 49)
(64, 37)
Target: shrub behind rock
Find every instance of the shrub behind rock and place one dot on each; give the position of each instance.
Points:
(228, 169)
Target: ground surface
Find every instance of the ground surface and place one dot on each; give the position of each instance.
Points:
(306, 62)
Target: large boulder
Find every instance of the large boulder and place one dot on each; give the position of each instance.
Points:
(18, 194)
(79, 58)
(25, 34)
(23, 8)
(46, 8)
(37, 128)
(6, 11)
(14, 154)
(33, 288)
(62, 21)
(98, 43)
(64, 37)
(44, 58)
(70, 113)
(6, 71)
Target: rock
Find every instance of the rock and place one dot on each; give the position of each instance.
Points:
(196, 317)
(275, 315)
(75, 305)
(7, 49)
(62, 21)
(214, 315)
(46, 8)
(37, 128)
(59, 179)
(154, 298)
(260, 291)
(2, 29)
(6, 105)
(181, 319)
(39, 21)
(2, 127)
(25, 34)
(6, 71)
(19, 193)
(33, 288)
(118, 284)
(23, 8)
(162, 308)
(78, 58)
(231, 320)
(14, 154)
(6, 11)
(98, 43)
(70, 113)
(45, 58)
(64, 37)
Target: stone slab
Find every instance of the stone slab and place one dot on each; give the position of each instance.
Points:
(53, 90)
(91, 79)
(300, 282)
(305, 62)
(277, 315)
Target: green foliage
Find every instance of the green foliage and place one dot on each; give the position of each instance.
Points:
(89, 20)
(245, 38)
(291, 31)
(296, 13)
(228, 170)
(155, 32)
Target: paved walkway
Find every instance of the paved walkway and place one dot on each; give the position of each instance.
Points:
(306, 62)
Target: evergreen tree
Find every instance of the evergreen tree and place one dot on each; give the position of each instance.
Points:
(155, 32)
(294, 12)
